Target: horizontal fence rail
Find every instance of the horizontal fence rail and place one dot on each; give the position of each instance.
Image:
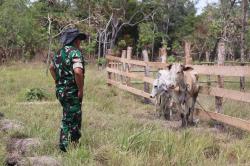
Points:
(129, 89)
(236, 71)
(136, 62)
(131, 75)
(232, 121)
(206, 90)
(225, 93)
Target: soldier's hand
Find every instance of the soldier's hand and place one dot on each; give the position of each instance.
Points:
(80, 94)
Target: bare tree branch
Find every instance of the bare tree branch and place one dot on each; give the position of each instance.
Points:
(71, 24)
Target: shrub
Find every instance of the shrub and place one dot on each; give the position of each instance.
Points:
(122, 44)
(35, 94)
(101, 61)
(171, 59)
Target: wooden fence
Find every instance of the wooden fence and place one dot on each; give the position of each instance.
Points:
(120, 75)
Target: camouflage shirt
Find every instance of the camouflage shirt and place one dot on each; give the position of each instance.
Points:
(64, 63)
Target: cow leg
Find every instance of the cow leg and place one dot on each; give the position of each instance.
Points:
(167, 106)
(187, 118)
(165, 109)
(192, 109)
(162, 106)
(190, 117)
(180, 107)
(166, 113)
(183, 115)
(171, 107)
(158, 105)
(188, 112)
(192, 121)
(183, 120)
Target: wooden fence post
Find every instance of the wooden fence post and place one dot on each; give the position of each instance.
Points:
(129, 55)
(208, 76)
(163, 54)
(123, 66)
(221, 60)
(187, 50)
(146, 73)
(109, 52)
(111, 63)
(110, 66)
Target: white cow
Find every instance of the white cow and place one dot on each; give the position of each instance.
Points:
(160, 90)
(161, 83)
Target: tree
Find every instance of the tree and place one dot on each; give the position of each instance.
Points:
(244, 4)
(146, 35)
(19, 29)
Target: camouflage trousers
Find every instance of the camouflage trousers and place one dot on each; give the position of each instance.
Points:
(71, 120)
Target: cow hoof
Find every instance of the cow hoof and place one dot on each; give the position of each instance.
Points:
(184, 125)
(192, 123)
(167, 117)
(196, 122)
(219, 126)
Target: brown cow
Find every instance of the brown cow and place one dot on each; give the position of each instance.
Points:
(185, 80)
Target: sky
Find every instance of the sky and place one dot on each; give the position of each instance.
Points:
(202, 4)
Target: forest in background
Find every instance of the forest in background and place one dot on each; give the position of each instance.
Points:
(30, 28)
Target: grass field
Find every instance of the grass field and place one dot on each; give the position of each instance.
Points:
(118, 129)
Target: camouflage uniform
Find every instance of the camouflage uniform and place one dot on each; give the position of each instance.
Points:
(64, 62)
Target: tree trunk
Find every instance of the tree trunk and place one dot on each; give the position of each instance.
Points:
(112, 42)
(104, 43)
(242, 38)
(50, 43)
(99, 45)
(153, 43)
(115, 24)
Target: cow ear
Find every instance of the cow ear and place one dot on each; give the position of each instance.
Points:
(159, 74)
(187, 68)
(169, 66)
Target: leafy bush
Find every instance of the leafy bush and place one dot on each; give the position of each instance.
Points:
(122, 44)
(101, 61)
(35, 94)
(171, 59)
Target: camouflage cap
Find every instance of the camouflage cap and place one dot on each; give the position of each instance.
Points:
(70, 34)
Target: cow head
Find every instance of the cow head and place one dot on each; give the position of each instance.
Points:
(161, 83)
(177, 73)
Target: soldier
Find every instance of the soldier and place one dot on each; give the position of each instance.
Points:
(67, 69)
